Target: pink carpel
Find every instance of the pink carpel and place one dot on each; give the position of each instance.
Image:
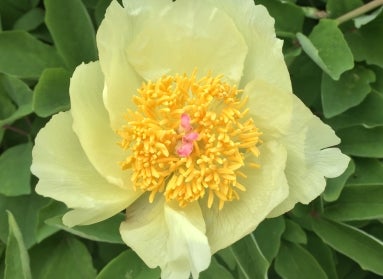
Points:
(186, 147)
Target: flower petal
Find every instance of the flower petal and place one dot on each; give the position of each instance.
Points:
(66, 175)
(206, 39)
(91, 124)
(121, 80)
(168, 237)
(266, 187)
(265, 58)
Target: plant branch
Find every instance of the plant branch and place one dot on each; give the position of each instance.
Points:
(359, 11)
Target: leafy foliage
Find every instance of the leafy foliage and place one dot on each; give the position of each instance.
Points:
(336, 67)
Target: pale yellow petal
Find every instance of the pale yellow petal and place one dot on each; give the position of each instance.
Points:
(206, 38)
(121, 81)
(168, 237)
(92, 126)
(65, 174)
(266, 187)
(265, 58)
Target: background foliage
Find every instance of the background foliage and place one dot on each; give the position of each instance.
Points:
(336, 66)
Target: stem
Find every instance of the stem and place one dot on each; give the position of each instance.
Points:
(359, 11)
(16, 130)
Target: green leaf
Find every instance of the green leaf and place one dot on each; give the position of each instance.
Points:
(25, 57)
(363, 142)
(101, 7)
(30, 20)
(51, 93)
(327, 48)
(128, 266)
(250, 261)
(15, 175)
(16, 255)
(364, 19)
(349, 91)
(334, 186)
(62, 257)
(105, 231)
(293, 261)
(363, 248)
(268, 236)
(72, 31)
(336, 8)
(366, 42)
(368, 114)
(357, 203)
(216, 270)
(52, 209)
(294, 233)
(367, 172)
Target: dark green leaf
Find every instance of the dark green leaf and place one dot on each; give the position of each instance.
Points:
(128, 266)
(101, 7)
(336, 8)
(349, 91)
(357, 203)
(16, 255)
(368, 114)
(363, 142)
(72, 31)
(51, 94)
(250, 261)
(334, 186)
(15, 175)
(62, 257)
(268, 235)
(216, 270)
(30, 20)
(327, 48)
(364, 249)
(367, 172)
(52, 209)
(25, 57)
(366, 42)
(364, 19)
(295, 262)
(294, 233)
(105, 231)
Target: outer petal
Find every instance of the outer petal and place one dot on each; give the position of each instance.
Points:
(283, 117)
(266, 187)
(170, 238)
(265, 58)
(92, 126)
(206, 38)
(121, 80)
(66, 175)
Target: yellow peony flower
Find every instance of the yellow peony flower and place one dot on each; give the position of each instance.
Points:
(188, 123)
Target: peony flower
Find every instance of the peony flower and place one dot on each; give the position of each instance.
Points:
(188, 123)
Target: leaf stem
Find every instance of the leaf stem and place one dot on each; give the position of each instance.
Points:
(359, 11)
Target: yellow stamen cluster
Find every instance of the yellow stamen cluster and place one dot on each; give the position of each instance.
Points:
(153, 133)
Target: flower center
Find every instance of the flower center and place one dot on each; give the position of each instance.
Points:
(188, 139)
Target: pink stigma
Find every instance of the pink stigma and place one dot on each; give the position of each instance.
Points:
(186, 147)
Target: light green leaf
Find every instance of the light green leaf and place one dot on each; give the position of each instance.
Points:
(62, 257)
(25, 57)
(105, 231)
(295, 262)
(216, 270)
(30, 20)
(363, 142)
(16, 255)
(327, 48)
(368, 114)
(51, 93)
(367, 172)
(294, 233)
(268, 236)
(15, 175)
(250, 261)
(72, 31)
(334, 186)
(349, 91)
(357, 203)
(128, 266)
(363, 248)
(364, 19)
(366, 42)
